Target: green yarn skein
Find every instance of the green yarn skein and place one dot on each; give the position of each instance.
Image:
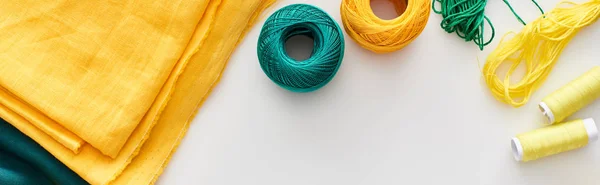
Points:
(466, 18)
(325, 60)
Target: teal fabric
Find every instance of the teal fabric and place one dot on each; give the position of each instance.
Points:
(24, 162)
(14, 171)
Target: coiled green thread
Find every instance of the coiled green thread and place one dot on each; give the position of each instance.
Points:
(327, 54)
(467, 19)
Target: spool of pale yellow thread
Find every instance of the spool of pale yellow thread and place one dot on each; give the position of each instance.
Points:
(554, 139)
(572, 97)
(538, 46)
(383, 36)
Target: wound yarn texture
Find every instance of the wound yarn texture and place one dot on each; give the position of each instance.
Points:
(574, 96)
(383, 36)
(553, 139)
(328, 50)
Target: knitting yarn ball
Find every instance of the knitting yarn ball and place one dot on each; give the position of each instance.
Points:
(325, 60)
(383, 36)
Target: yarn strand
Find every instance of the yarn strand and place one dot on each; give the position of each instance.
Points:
(517, 15)
(538, 46)
(538, 6)
(466, 18)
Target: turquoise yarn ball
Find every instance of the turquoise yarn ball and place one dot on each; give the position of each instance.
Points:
(327, 54)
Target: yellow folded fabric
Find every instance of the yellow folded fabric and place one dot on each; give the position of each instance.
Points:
(173, 79)
(94, 67)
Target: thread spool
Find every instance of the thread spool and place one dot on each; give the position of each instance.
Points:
(572, 97)
(554, 139)
(383, 36)
(325, 60)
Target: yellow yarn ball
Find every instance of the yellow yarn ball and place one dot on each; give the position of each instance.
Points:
(383, 36)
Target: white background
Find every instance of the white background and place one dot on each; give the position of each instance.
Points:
(421, 115)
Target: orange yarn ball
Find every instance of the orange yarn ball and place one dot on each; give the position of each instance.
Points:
(383, 36)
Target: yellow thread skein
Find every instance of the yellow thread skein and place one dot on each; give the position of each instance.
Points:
(539, 46)
(554, 139)
(572, 97)
(383, 36)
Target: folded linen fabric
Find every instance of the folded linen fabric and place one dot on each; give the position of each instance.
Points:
(23, 161)
(91, 68)
(97, 103)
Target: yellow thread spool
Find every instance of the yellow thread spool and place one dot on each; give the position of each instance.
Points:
(383, 36)
(572, 97)
(554, 139)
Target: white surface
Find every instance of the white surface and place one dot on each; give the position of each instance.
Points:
(421, 115)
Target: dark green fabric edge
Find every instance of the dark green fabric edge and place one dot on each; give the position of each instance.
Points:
(37, 166)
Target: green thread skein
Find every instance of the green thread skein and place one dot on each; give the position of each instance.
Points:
(466, 18)
(327, 54)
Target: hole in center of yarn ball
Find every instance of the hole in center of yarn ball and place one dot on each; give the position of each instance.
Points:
(299, 47)
(383, 8)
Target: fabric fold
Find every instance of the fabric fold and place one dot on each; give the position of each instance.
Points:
(96, 73)
(30, 164)
(45, 124)
(147, 150)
